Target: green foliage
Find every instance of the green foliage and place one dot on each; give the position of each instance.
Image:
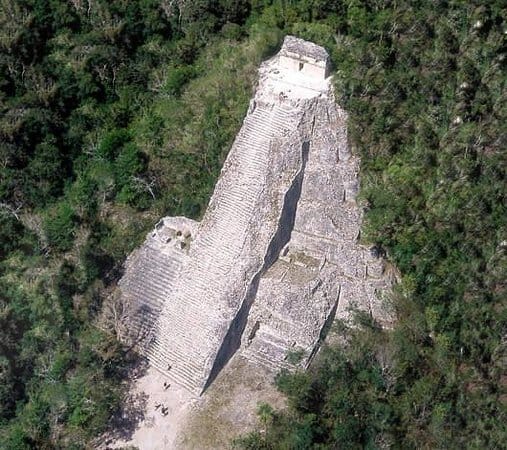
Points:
(111, 144)
(115, 114)
(295, 356)
(111, 116)
(45, 172)
(177, 78)
(59, 226)
(11, 232)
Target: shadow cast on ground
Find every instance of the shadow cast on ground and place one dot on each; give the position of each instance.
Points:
(132, 411)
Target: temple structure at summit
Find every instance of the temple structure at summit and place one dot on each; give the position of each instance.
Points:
(275, 258)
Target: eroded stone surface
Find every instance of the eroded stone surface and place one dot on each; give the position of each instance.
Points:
(275, 256)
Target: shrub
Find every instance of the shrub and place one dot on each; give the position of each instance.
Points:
(59, 226)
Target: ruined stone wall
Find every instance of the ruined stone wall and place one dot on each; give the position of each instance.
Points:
(323, 271)
(306, 67)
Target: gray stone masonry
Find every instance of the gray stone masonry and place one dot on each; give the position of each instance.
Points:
(275, 257)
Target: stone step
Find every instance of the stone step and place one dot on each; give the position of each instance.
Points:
(159, 276)
(161, 261)
(191, 317)
(186, 318)
(257, 132)
(248, 173)
(217, 267)
(155, 286)
(189, 381)
(176, 378)
(138, 327)
(201, 272)
(275, 118)
(145, 295)
(234, 218)
(262, 355)
(164, 261)
(145, 321)
(207, 268)
(257, 135)
(182, 322)
(233, 207)
(251, 172)
(144, 329)
(248, 187)
(223, 244)
(204, 266)
(226, 233)
(248, 153)
(268, 349)
(275, 125)
(271, 339)
(203, 297)
(156, 269)
(261, 117)
(175, 309)
(256, 166)
(157, 280)
(154, 252)
(186, 310)
(142, 316)
(245, 181)
(241, 192)
(178, 339)
(194, 277)
(230, 225)
(248, 143)
(284, 118)
(183, 363)
(262, 361)
(175, 355)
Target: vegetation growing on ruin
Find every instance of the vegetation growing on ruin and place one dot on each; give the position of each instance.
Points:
(116, 113)
(424, 84)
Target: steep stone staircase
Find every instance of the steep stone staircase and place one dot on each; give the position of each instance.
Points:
(268, 350)
(197, 314)
(150, 286)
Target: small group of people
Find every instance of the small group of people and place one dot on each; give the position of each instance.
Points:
(167, 385)
(164, 410)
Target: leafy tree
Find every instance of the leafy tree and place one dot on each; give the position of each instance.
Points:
(122, 112)
(59, 226)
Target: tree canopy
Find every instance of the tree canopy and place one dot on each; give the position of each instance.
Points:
(113, 114)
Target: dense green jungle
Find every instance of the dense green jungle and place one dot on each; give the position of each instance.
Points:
(115, 113)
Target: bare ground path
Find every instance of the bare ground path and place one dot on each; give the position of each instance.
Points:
(227, 409)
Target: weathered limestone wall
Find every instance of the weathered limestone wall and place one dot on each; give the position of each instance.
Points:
(275, 256)
(297, 55)
(306, 67)
(322, 271)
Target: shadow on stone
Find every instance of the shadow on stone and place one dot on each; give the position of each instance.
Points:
(232, 340)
